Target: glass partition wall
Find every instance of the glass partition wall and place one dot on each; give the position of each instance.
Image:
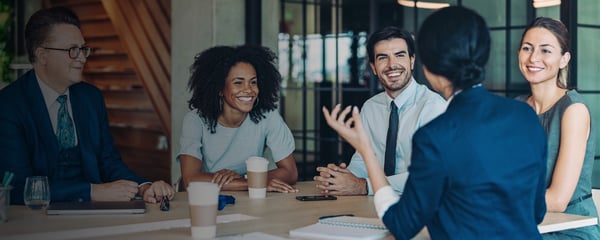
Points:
(322, 57)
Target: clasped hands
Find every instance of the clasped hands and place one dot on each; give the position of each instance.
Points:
(337, 180)
(226, 176)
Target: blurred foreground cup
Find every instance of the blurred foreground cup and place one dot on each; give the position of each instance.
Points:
(4, 202)
(203, 199)
(256, 168)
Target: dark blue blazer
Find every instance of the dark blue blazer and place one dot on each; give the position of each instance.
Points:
(477, 172)
(28, 144)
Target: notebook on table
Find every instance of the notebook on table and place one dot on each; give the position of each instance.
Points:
(82, 208)
(344, 227)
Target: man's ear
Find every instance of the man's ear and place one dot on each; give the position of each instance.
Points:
(373, 69)
(40, 55)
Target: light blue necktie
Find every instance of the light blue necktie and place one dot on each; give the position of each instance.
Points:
(65, 133)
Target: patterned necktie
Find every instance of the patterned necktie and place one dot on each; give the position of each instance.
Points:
(390, 142)
(65, 133)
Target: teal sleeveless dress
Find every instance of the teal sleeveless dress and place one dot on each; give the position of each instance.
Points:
(581, 202)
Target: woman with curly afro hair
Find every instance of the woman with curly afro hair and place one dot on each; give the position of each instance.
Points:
(233, 117)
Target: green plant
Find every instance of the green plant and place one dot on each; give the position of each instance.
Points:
(5, 47)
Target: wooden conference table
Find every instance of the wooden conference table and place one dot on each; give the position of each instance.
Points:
(274, 215)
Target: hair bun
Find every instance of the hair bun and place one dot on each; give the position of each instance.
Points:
(469, 74)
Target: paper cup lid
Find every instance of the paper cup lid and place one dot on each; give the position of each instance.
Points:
(203, 193)
(256, 164)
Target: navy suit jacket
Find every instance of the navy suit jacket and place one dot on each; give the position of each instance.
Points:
(28, 144)
(477, 172)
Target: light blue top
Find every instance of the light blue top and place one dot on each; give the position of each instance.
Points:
(228, 148)
(417, 105)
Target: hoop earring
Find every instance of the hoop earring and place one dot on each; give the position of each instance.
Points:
(256, 102)
(220, 103)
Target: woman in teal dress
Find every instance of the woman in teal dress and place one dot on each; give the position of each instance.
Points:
(543, 60)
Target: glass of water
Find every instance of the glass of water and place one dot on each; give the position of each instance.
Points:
(37, 192)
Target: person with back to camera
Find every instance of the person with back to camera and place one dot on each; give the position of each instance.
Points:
(53, 124)
(477, 170)
(233, 117)
(543, 60)
(391, 53)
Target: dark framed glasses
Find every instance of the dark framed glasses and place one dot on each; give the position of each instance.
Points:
(74, 51)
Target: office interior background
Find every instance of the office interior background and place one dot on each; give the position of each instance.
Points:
(145, 48)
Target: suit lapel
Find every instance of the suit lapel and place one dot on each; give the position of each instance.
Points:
(41, 117)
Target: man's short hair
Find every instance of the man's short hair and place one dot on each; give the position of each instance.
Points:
(389, 33)
(40, 23)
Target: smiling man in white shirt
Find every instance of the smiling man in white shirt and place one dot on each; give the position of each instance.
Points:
(391, 58)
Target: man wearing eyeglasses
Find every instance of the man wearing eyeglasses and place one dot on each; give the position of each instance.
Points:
(53, 124)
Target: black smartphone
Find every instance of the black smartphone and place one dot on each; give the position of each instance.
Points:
(316, 198)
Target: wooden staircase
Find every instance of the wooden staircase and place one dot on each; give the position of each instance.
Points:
(131, 65)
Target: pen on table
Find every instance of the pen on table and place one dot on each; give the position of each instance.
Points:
(338, 215)
(164, 204)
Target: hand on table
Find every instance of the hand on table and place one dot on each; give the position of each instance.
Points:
(224, 176)
(276, 185)
(120, 190)
(156, 191)
(337, 180)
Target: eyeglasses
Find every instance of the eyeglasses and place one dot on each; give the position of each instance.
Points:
(74, 51)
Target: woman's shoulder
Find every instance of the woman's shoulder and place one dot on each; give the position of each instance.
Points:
(575, 97)
(193, 116)
(570, 98)
(271, 116)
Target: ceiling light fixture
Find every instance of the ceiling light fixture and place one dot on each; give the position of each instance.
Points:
(545, 3)
(421, 4)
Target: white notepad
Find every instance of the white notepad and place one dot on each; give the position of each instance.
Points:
(344, 227)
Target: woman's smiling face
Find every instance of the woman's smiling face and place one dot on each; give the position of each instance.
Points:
(241, 88)
(540, 56)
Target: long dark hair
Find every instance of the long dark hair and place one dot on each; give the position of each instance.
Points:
(211, 67)
(454, 42)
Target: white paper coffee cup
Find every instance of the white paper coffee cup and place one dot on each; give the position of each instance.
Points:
(203, 199)
(256, 168)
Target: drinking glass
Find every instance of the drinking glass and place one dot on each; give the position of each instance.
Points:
(37, 192)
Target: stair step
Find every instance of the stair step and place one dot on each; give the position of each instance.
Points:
(107, 62)
(154, 165)
(133, 118)
(148, 139)
(109, 70)
(127, 99)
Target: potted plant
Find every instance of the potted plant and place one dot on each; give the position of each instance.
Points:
(6, 52)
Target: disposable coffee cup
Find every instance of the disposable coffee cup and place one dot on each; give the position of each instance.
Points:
(203, 199)
(256, 169)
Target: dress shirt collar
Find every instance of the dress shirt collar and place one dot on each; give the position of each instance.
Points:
(49, 94)
(407, 96)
